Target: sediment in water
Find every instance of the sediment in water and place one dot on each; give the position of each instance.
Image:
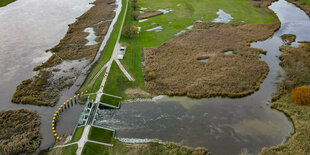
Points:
(44, 88)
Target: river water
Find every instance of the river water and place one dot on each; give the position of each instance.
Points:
(27, 29)
(223, 125)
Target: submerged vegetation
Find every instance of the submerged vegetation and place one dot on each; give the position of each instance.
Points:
(44, 88)
(19, 131)
(296, 63)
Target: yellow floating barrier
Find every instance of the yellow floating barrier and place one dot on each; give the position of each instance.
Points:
(53, 125)
(54, 118)
(85, 91)
(54, 131)
(82, 93)
(57, 138)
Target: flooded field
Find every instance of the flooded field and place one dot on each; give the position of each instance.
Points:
(223, 125)
(24, 36)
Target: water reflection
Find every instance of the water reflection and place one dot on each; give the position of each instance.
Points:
(223, 125)
(27, 29)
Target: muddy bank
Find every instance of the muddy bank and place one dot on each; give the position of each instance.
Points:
(149, 14)
(174, 68)
(296, 63)
(19, 131)
(69, 57)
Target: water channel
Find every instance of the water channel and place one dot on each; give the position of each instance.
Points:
(223, 125)
(29, 27)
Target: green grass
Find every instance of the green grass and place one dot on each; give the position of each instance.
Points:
(69, 150)
(100, 135)
(93, 148)
(5, 2)
(117, 82)
(181, 17)
(110, 100)
(77, 134)
(305, 1)
(107, 52)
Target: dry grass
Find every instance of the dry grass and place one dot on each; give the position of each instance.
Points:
(38, 90)
(288, 38)
(178, 70)
(149, 14)
(262, 4)
(19, 131)
(296, 63)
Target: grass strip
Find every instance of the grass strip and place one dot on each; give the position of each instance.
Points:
(100, 135)
(77, 134)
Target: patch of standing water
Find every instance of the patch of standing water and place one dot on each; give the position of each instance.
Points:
(165, 10)
(228, 52)
(143, 20)
(142, 8)
(223, 17)
(91, 36)
(239, 125)
(190, 27)
(204, 60)
(156, 29)
(181, 32)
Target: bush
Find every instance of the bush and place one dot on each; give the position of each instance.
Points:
(130, 31)
(301, 95)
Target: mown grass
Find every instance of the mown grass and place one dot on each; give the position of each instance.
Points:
(93, 148)
(107, 52)
(77, 134)
(110, 100)
(116, 82)
(100, 135)
(5, 2)
(69, 150)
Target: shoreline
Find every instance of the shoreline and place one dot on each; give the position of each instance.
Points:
(69, 57)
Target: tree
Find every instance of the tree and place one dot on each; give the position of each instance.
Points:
(301, 95)
(130, 31)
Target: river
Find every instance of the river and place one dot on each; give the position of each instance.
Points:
(223, 125)
(27, 29)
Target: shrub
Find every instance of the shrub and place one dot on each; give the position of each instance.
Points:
(301, 95)
(134, 15)
(130, 31)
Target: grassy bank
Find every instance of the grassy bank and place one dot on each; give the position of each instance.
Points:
(107, 51)
(77, 134)
(5, 2)
(110, 100)
(296, 63)
(142, 149)
(100, 135)
(69, 150)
